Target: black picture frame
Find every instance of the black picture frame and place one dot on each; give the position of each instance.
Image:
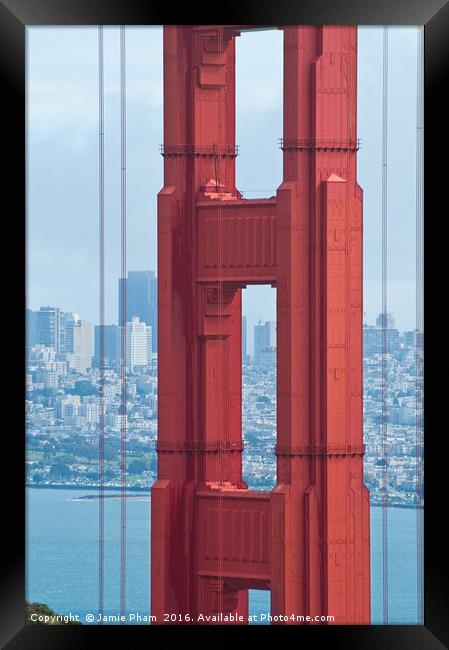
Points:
(15, 15)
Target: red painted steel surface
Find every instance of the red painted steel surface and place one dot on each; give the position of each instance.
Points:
(212, 539)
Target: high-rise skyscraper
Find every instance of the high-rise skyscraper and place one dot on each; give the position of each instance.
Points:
(49, 328)
(68, 320)
(80, 358)
(137, 343)
(264, 337)
(376, 337)
(31, 328)
(149, 343)
(141, 300)
(386, 320)
(153, 311)
(244, 359)
(111, 350)
(82, 338)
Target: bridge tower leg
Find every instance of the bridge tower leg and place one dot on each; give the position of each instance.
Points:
(320, 506)
(199, 323)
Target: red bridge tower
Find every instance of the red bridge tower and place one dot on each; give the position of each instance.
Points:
(212, 539)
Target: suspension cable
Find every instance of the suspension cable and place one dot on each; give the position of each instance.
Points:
(123, 409)
(384, 325)
(419, 328)
(101, 318)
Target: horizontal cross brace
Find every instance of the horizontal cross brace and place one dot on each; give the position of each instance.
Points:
(198, 151)
(318, 144)
(198, 447)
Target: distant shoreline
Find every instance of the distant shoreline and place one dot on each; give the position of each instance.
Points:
(110, 488)
(90, 488)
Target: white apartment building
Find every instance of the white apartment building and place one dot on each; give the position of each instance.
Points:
(67, 406)
(80, 359)
(138, 343)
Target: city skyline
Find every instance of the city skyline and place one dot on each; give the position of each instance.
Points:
(248, 340)
(63, 406)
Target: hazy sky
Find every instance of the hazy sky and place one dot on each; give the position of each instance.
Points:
(62, 154)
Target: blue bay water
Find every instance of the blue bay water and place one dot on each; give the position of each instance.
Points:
(62, 556)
